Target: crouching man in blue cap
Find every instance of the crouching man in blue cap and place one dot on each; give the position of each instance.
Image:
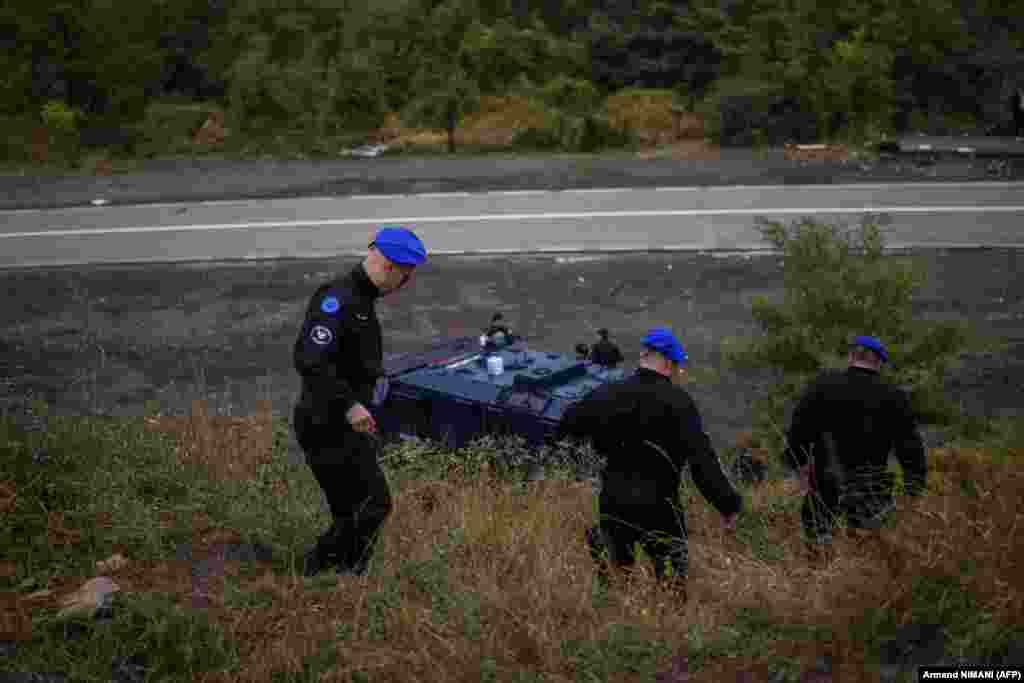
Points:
(843, 429)
(339, 356)
(648, 428)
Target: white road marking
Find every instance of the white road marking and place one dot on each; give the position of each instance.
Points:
(479, 218)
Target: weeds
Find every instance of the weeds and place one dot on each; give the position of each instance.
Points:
(478, 576)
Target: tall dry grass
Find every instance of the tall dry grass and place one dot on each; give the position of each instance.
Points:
(479, 577)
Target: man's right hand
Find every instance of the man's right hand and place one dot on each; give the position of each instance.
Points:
(360, 419)
(805, 479)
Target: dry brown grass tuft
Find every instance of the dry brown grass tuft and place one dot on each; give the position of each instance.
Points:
(499, 119)
(228, 447)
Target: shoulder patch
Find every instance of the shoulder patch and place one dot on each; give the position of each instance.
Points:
(330, 304)
(321, 335)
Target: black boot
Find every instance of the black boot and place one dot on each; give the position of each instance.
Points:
(323, 555)
(315, 562)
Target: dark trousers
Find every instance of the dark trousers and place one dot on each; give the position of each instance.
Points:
(659, 530)
(345, 464)
(1018, 122)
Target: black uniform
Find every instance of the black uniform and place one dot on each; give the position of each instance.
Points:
(605, 353)
(649, 430)
(845, 426)
(339, 356)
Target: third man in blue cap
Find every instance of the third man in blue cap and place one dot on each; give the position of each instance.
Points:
(649, 429)
(339, 357)
(843, 430)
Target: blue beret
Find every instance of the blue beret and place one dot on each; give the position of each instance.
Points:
(872, 343)
(401, 246)
(662, 340)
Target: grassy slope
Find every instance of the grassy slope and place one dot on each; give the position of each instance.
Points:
(477, 578)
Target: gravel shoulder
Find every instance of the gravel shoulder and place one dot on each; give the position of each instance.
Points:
(208, 180)
(107, 339)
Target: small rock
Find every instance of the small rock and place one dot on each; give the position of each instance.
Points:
(249, 552)
(39, 595)
(535, 472)
(94, 596)
(129, 670)
(111, 564)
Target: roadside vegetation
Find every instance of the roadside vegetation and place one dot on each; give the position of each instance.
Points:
(482, 575)
(479, 575)
(95, 86)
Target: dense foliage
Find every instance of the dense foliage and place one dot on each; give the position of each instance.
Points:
(763, 69)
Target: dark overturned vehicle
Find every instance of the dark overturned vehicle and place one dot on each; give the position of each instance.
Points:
(460, 389)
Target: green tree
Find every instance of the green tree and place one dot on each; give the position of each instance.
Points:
(839, 282)
(312, 67)
(460, 59)
(857, 81)
(103, 53)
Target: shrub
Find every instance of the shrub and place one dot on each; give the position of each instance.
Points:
(743, 112)
(839, 283)
(537, 138)
(570, 94)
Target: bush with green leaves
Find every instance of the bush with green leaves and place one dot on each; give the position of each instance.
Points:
(840, 282)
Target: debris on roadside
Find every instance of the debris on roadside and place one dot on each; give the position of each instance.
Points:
(816, 152)
(365, 151)
(212, 132)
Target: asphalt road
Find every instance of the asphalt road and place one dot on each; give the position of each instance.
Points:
(595, 220)
(99, 335)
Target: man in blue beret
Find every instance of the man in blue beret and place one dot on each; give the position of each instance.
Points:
(339, 356)
(649, 429)
(843, 429)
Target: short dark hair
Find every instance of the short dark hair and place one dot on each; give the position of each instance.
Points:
(497, 316)
(863, 353)
(603, 332)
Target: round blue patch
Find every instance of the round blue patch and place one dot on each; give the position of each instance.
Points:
(329, 304)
